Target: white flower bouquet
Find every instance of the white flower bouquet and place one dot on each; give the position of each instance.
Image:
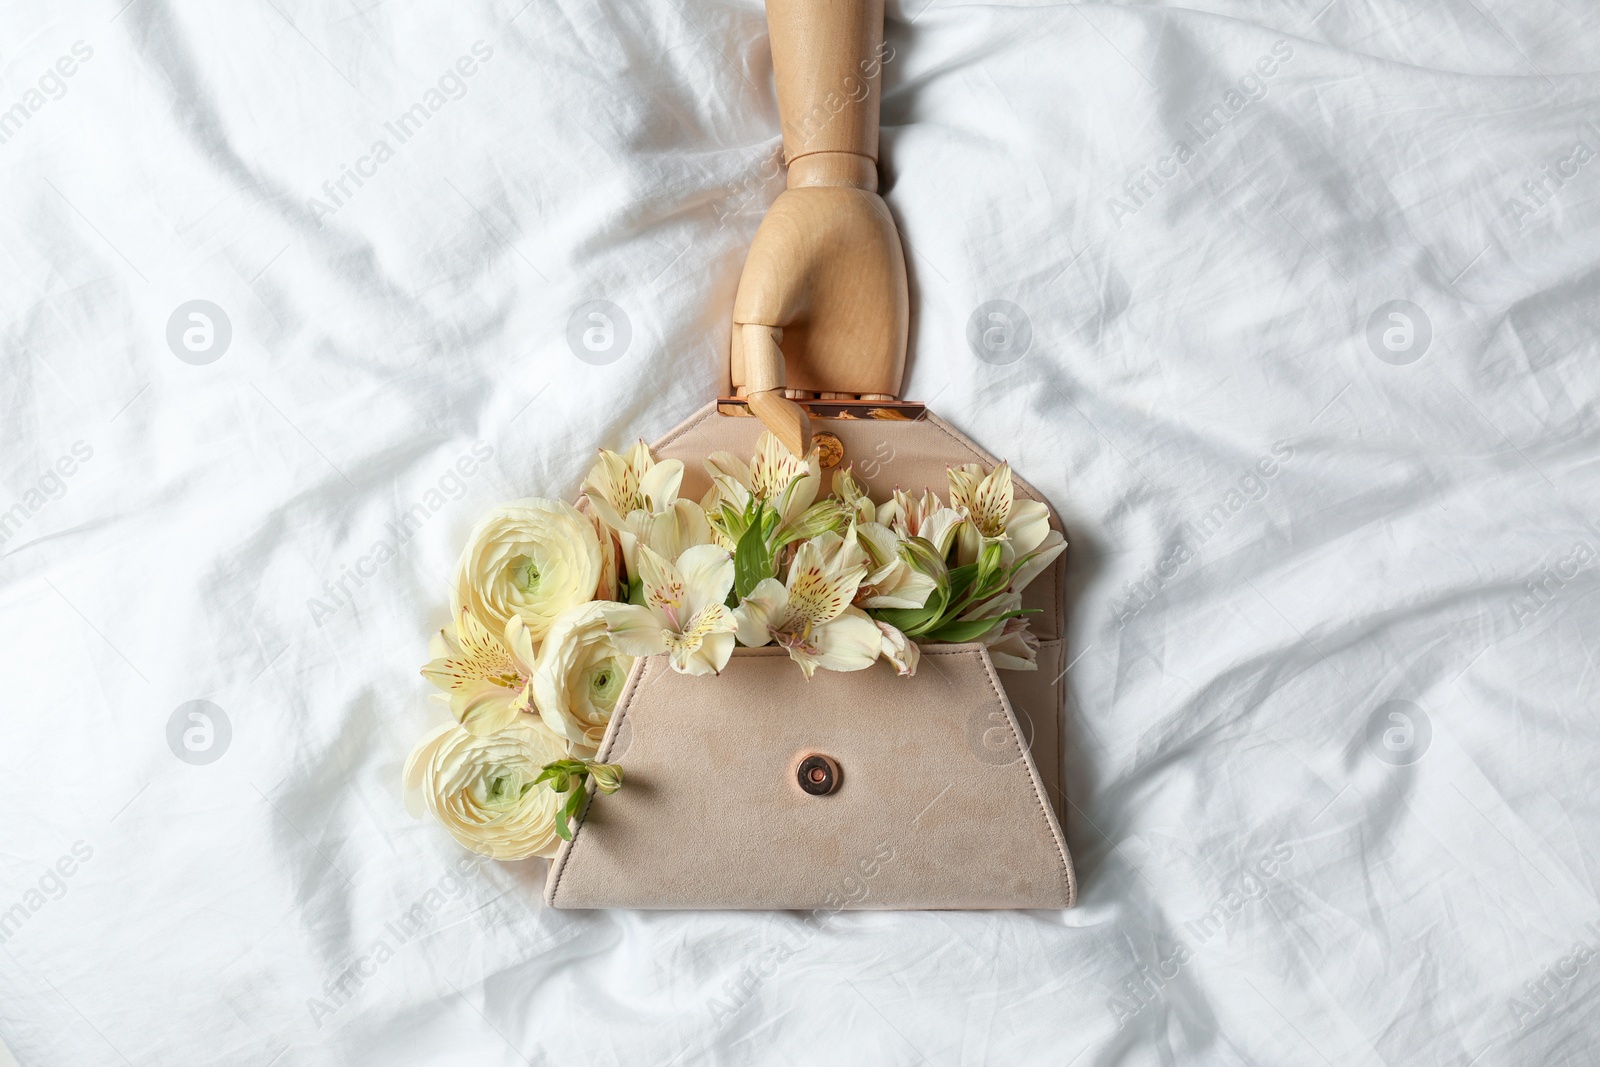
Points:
(552, 602)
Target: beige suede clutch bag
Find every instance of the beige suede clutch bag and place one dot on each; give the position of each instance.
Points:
(759, 789)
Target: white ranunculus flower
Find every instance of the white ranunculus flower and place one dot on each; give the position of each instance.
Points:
(482, 788)
(579, 676)
(532, 558)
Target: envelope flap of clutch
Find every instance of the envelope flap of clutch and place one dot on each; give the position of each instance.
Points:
(862, 790)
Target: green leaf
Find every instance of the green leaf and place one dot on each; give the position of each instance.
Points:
(966, 586)
(961, 589)
(911, 621)
(752, 559)
(567, 778)
(995, 585)
(635, 590)
(957, 632)
(1003, 616)
(961, 577)
(563, 813)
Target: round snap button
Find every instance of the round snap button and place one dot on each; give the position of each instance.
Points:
(830, 450)
(818, 775)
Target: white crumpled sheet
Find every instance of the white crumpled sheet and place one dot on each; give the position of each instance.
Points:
(1274, 870)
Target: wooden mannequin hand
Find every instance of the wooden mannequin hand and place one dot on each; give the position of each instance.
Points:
(821, 305)
(825, 282)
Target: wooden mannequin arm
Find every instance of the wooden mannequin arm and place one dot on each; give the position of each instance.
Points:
(827, 57)
(822, 302)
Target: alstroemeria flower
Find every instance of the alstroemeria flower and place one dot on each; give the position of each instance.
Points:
(619, 484)
(683, 614)
(840, 556)
(899, 650)
(994, 514)
(483, 788)
(669, 533)
(533, 559)
(637, 497)
(486, 678)
(858, 505)
(579, 676)
(775, 478)
(1012, 646)
(891, 582)
(925, 517)
(810, 616)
